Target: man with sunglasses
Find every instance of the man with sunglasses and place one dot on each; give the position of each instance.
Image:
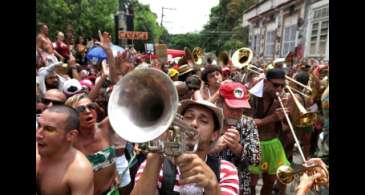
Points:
(51, 98)
(268, 116)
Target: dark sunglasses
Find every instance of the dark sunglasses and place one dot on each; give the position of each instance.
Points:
(54, 102)
(91, 106)
(276, 85)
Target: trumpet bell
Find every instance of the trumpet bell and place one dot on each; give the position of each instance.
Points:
(242, 57)
(285, 174)
(142, 105)
(307, 119)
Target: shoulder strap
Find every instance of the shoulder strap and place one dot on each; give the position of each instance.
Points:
(168, 179)
(215, 164)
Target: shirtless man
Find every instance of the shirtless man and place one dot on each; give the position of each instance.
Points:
(59, 164)
(268, 116)
(45, 47)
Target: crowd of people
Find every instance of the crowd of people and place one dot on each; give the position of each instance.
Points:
(243, 131)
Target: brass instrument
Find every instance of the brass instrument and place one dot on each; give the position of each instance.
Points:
(306, 118)
(198, 56)
(287, 174)
(223, 58)
(143, 106)
(242, 57)
(284, 173)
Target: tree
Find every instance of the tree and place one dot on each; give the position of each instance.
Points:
(224, 30)
(85, 16)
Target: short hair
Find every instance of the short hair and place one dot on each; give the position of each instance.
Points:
(72, 120)
(40, 25)
(209, 69)
(73, 100)
(275, 73)
(302, 77)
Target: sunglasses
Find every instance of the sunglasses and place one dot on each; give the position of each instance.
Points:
(276, 85)
(91, 106)
(54, 102)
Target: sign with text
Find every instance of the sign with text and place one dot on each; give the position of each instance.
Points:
(133, 35)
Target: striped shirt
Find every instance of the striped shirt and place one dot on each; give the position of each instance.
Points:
(229, 183)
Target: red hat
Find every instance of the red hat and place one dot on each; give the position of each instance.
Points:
(235, 95)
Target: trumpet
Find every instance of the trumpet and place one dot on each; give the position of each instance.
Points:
(286, 174)
(143, 109)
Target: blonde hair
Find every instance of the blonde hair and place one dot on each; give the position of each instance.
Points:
(73, 100)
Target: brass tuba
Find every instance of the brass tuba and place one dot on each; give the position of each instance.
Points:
(143, 106)
(242, 57)
(198, 56)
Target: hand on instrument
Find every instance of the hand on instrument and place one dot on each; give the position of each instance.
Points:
(306, 183)
(322, 170)
(194, 170)
(279, 113)
(232, 138)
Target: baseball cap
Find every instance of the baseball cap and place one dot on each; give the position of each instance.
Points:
(217, 112)
(235, 95)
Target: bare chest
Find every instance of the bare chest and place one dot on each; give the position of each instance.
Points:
(52, 180)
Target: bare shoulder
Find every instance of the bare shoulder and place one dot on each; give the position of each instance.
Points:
(80, 175)
(81, 163)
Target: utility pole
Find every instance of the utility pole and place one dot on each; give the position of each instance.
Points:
(162, 15)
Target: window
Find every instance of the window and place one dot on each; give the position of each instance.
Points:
(269, 43)
(289, 39)
(319, 32)
(255, 43)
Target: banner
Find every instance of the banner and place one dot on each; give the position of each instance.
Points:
(133, 35)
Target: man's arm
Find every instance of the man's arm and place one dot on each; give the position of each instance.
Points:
(147, 175)
(81, 184)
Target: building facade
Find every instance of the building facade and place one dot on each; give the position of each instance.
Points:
(277, 27)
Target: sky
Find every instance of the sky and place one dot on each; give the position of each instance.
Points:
(186, 16)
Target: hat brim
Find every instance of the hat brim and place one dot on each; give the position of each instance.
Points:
(234, 103)
(185, 72)
(218, 112)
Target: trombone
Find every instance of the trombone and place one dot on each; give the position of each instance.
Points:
(285, 173)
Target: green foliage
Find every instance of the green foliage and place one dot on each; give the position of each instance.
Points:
(180, 41)
(224, 30)
(85, 16)
(146, 21)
